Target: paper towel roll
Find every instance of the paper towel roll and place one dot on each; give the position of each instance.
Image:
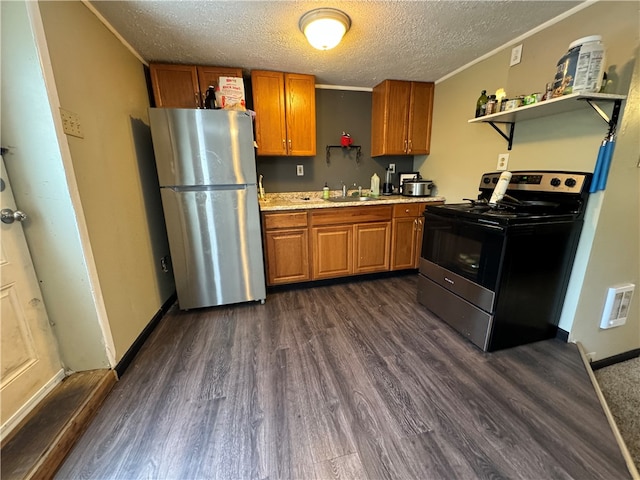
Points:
(501, 188)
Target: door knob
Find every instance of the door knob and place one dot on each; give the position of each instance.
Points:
(9, 216)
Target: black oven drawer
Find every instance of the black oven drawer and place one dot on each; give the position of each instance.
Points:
(466, 318)
(470, 291)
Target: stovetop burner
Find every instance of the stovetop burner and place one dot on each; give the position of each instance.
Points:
(532, 196)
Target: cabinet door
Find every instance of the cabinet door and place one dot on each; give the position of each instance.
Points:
(420, 112)
(269, 105)
(287, 254)
(300, 93)
(371, 247)
(332, 251)
(403, 243)
(175, 85)
(390, 118)
(208, 76)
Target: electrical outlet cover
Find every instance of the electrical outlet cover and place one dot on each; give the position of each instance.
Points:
(71, 123)
(503, 162)
(516, 55)
(300, 170)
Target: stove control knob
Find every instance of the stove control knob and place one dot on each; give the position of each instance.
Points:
(486, 180)
(495, 180)
(555, 182)
(570, 182)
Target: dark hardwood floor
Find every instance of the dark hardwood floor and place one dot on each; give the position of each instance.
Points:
(347, 381)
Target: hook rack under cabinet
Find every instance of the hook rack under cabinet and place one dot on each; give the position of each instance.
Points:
(348, 149)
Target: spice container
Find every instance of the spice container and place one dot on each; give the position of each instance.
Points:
(514, 103)
(492, 105)
(580, 69)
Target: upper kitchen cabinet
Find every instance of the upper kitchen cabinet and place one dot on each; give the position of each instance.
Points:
(401, 118)
(285, 106)
(185, 86)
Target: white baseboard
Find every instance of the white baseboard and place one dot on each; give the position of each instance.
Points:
(30, 404)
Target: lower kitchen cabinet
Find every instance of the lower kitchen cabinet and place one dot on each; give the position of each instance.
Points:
(323, 243)
(332, 249)
(350, 241)
(371, 247)
(286, 241)
(406, 239)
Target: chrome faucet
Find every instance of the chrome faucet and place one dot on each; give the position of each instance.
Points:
(344, 190)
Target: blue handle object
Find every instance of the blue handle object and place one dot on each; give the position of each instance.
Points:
(597, 172)
(606, 163)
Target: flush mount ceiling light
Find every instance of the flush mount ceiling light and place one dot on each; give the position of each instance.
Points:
(324, 27)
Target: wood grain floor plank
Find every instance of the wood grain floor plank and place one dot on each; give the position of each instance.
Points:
(352, 380)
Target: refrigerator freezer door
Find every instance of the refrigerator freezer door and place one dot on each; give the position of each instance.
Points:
(202, 147)
(216, 245)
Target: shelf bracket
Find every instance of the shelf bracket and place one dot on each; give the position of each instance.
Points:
(508, 138)
(357, 148)
(615, 113)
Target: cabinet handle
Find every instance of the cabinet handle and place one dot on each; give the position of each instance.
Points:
(197, 100)
(410, 147)
(405, 146)
(284, 145)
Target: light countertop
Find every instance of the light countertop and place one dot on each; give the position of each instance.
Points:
(309, 200)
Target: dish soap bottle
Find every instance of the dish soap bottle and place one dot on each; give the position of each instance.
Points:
(481, 104)
(375, 185)
(325, 191)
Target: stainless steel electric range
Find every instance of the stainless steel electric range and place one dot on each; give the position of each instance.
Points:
(497, 271)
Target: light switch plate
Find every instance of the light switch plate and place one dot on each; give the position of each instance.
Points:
(516, 55)
(71, 123)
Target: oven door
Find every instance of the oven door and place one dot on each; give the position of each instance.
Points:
(468, 249)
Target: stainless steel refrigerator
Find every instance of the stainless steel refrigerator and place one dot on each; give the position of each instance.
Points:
(207, 172)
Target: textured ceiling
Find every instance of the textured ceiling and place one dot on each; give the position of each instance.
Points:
(405, 40)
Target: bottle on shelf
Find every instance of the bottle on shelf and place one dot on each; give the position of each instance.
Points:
(481, 104)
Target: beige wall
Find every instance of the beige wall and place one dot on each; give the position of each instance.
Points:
(41, 173)
(609, 252)
(102, 82)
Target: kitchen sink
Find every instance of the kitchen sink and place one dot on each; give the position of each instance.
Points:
(352, 199)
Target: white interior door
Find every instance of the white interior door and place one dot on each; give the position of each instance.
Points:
(30, 365)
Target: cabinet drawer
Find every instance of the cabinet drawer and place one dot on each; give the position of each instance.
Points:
(348, 215)
(285, 220)
(408, 210)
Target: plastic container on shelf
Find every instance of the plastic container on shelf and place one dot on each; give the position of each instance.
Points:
(580, 69)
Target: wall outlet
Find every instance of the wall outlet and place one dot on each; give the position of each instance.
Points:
(71, 123)
(392, 168)
(300, 170)
(503, 161)
(516, 55)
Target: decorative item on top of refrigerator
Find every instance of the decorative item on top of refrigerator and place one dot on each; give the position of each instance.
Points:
(232, 93)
